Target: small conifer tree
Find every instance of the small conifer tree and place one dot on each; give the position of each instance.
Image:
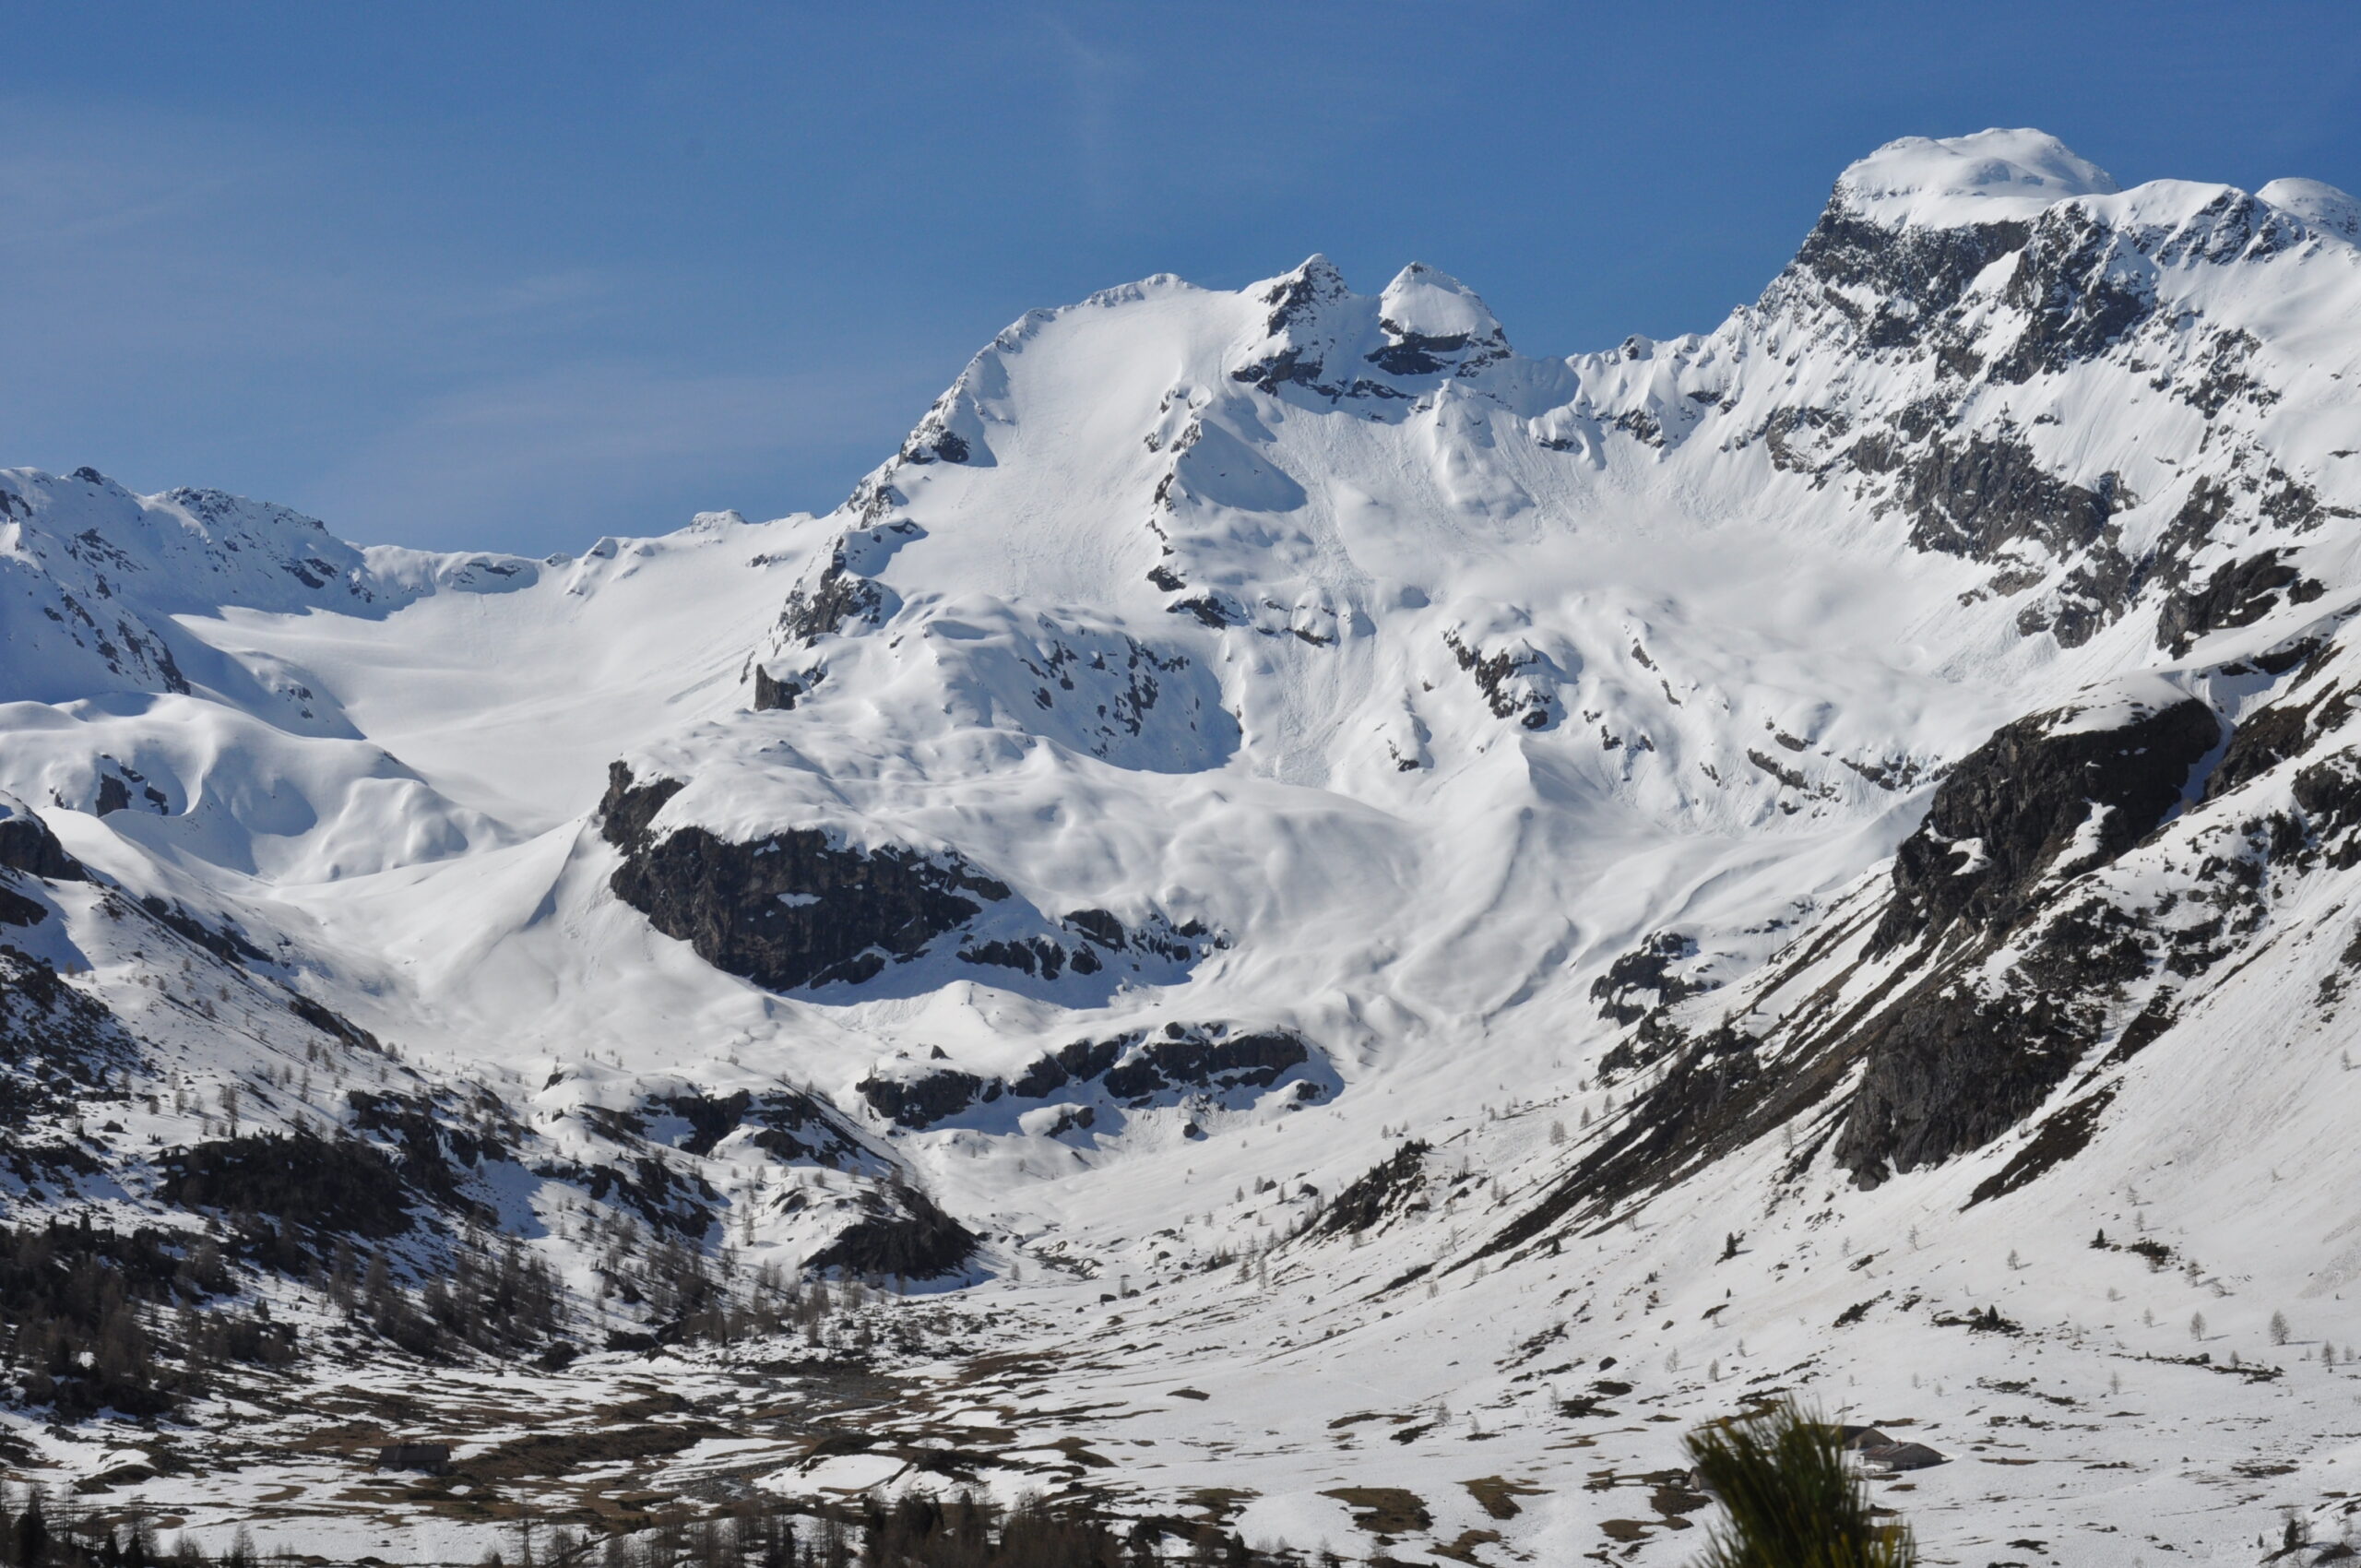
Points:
(1788, 1497)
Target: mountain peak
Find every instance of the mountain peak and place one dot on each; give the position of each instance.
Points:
(1948, 182)
(2317, 203)
(1426, 303)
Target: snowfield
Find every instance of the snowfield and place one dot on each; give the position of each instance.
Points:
(1434, 918)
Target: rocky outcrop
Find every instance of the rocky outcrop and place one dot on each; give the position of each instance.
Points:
(780, 693)
(1976, 497)
(1517, 681)
(1089, 940)
(1132, 1070)
(833, 597)
(2046, 796)
(1955, 1061)
(62, 1054)
(116, 781)
(2004, 969)
(930, 1098)
(1205, 1059)
(2076, 304)
(905, 1236)
(787, 1125)
(27, 845)
(1384, 1189)
(2238, 594)
(1891, 286)
(2281, 730)
(799, 909)
(1950, 1065)
(788, 909)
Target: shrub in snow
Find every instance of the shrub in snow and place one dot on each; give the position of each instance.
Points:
(1789, 1500)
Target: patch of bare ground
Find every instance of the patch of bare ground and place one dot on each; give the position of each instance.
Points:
(1384, 1510)
(1498, 1496)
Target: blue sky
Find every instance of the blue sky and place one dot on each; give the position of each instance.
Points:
(514, 275)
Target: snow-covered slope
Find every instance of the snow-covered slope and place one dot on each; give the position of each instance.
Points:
(1772, 822)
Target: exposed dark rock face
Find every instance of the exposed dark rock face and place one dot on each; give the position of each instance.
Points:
(788, 1125)
(924, 1101)
(2328, 793)
(839, 594)
(27, 845)
(2006, 815)
(2238, 594)
(1412, 353)
(906, 1236)
(1091, 939)
(333, 1024)
(1082, 1062)
(2079, 286)
(2061, 1138)
(1793, 777)
(1193, 1061)
(431, 1151)
(1978, 496)
(2272, 734)
(116, 780)
(1789, 434)
(1641, 987)
(934, 442)
(1214, 609)
(1910, 277)
(795, 909)
(1946, 1069)
(1381, 1190)
(225, 942)
(1098, 926)
(790, 910)
(1948, 1054)
(60, 1052)
(1509, 678)
(629, 808)
(2080, 304)
(1299, 344)
(1039, 955)
(1295, 300)
(780, 693)
(1133, 1069)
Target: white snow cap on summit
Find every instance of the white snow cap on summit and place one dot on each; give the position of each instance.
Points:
(1428, 303)
(2316, 203)
(1946, 182)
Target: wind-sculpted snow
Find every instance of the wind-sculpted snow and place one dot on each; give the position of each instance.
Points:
(1701, 849)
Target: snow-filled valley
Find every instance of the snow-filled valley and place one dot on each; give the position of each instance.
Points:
(1314, 925)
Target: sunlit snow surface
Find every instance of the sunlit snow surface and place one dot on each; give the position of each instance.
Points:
(391, 762)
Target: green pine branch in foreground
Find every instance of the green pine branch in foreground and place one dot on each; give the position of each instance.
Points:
(1790, 1499)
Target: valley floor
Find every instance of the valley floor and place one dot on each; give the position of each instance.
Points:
(1373, 1423)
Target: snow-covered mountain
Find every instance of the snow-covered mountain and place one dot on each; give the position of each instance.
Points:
(1283, 850)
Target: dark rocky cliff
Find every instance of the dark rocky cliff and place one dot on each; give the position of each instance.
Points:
(790, 908)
